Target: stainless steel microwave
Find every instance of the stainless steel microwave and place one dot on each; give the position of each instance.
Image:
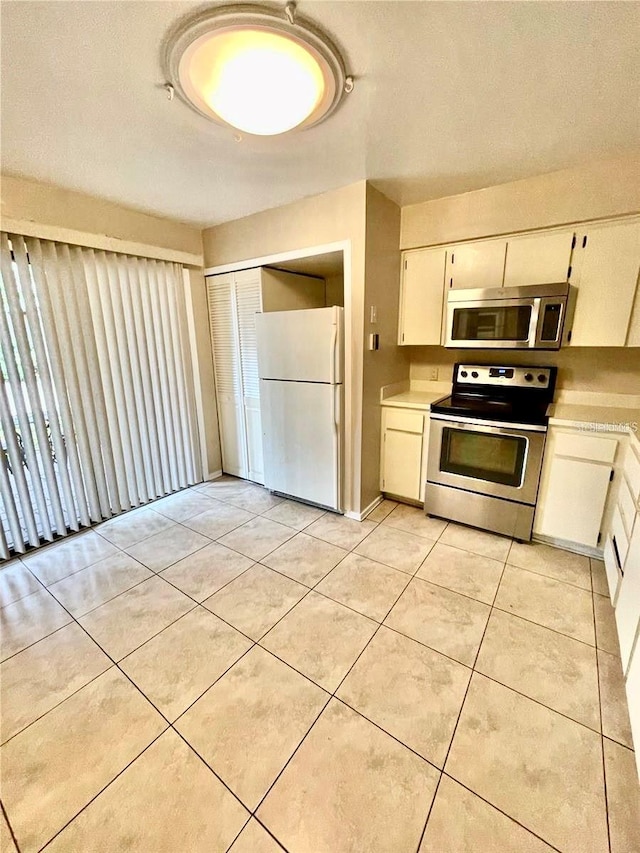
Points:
(532, 317)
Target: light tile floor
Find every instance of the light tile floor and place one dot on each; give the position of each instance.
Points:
(311, 684)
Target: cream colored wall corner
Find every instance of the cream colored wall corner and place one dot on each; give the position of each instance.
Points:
(599, 190)
(333, 217)
(52, 213)
(389, 364)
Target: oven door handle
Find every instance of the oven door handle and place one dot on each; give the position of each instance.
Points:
(493, 426)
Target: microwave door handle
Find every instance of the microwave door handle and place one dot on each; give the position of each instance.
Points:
(534, 325)
(540, 322)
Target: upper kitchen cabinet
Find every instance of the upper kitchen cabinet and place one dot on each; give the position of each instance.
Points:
(478, 264)
(539, 258)
(607, 262)
(421, 297)
(234, 299)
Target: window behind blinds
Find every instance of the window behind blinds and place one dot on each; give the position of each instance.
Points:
(97, 410)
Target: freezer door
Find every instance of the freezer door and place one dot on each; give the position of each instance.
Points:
(302, 428)
(301, 346)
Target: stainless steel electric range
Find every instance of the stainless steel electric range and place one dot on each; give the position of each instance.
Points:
(486, 442)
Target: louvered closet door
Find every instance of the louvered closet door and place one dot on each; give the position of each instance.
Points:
(226, 356)
(248, 304)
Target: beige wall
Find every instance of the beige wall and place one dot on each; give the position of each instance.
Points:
(64, 214)
(47, 205)
(602, 189)
(331, 217)
(600, 369)
(390, 363)
(334, 289)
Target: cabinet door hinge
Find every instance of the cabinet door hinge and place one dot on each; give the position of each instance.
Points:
(450, 282)
(569, 272)
(405, 263)
(403, 337)
(599, 538)
(452, 257)
(573, 242)
(584, 241)
(611, 475)
(569, 337)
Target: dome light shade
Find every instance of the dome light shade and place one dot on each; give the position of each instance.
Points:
(254, 70)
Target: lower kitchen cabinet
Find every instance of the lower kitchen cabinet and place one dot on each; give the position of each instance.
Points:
(627, 609)
(403, 453)
(632, 686)
(574, 485)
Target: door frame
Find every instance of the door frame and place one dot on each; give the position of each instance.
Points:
(351, 472)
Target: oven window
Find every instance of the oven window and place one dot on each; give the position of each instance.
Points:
(484, 456)
(507, 323)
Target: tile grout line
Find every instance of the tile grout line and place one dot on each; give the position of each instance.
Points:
(169, 725)
(332, 695)
(464, 699)
(604, 766)
(8, 822)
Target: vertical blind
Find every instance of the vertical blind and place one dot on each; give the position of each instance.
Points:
(97, 408)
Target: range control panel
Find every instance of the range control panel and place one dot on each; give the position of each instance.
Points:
(505, 376)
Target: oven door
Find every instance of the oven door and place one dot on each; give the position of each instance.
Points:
(497, 459)
(493, 324)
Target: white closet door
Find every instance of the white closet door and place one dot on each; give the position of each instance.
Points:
(248, 304)
(224, 334)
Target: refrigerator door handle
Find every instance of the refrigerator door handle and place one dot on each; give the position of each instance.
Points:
(333, 353)
(337, 390)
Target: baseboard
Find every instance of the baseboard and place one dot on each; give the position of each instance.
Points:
(360, 516)
(213, 475)
(574, 547)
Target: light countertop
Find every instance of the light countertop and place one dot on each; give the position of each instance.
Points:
(601, 418)
(413, 399)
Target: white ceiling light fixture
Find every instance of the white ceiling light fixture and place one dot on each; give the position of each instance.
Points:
(259, 70)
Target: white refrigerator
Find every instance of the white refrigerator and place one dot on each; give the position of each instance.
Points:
(300, 364)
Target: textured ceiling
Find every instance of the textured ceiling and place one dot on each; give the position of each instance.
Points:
(449, 97)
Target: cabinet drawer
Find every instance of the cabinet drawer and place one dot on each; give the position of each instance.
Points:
(632, 473)
(403, 420)
(619, 537)
(589, 447)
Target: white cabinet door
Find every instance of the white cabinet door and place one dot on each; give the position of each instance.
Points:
(248, 304)
(402, 452)
(572, 500)
(607, 280)
(421, 297)
(402, 464)
(538, 259)
(226, 362)
(476, 264)
(628, 601)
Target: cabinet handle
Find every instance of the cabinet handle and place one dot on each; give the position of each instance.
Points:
(616, 553)
(450, 282)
